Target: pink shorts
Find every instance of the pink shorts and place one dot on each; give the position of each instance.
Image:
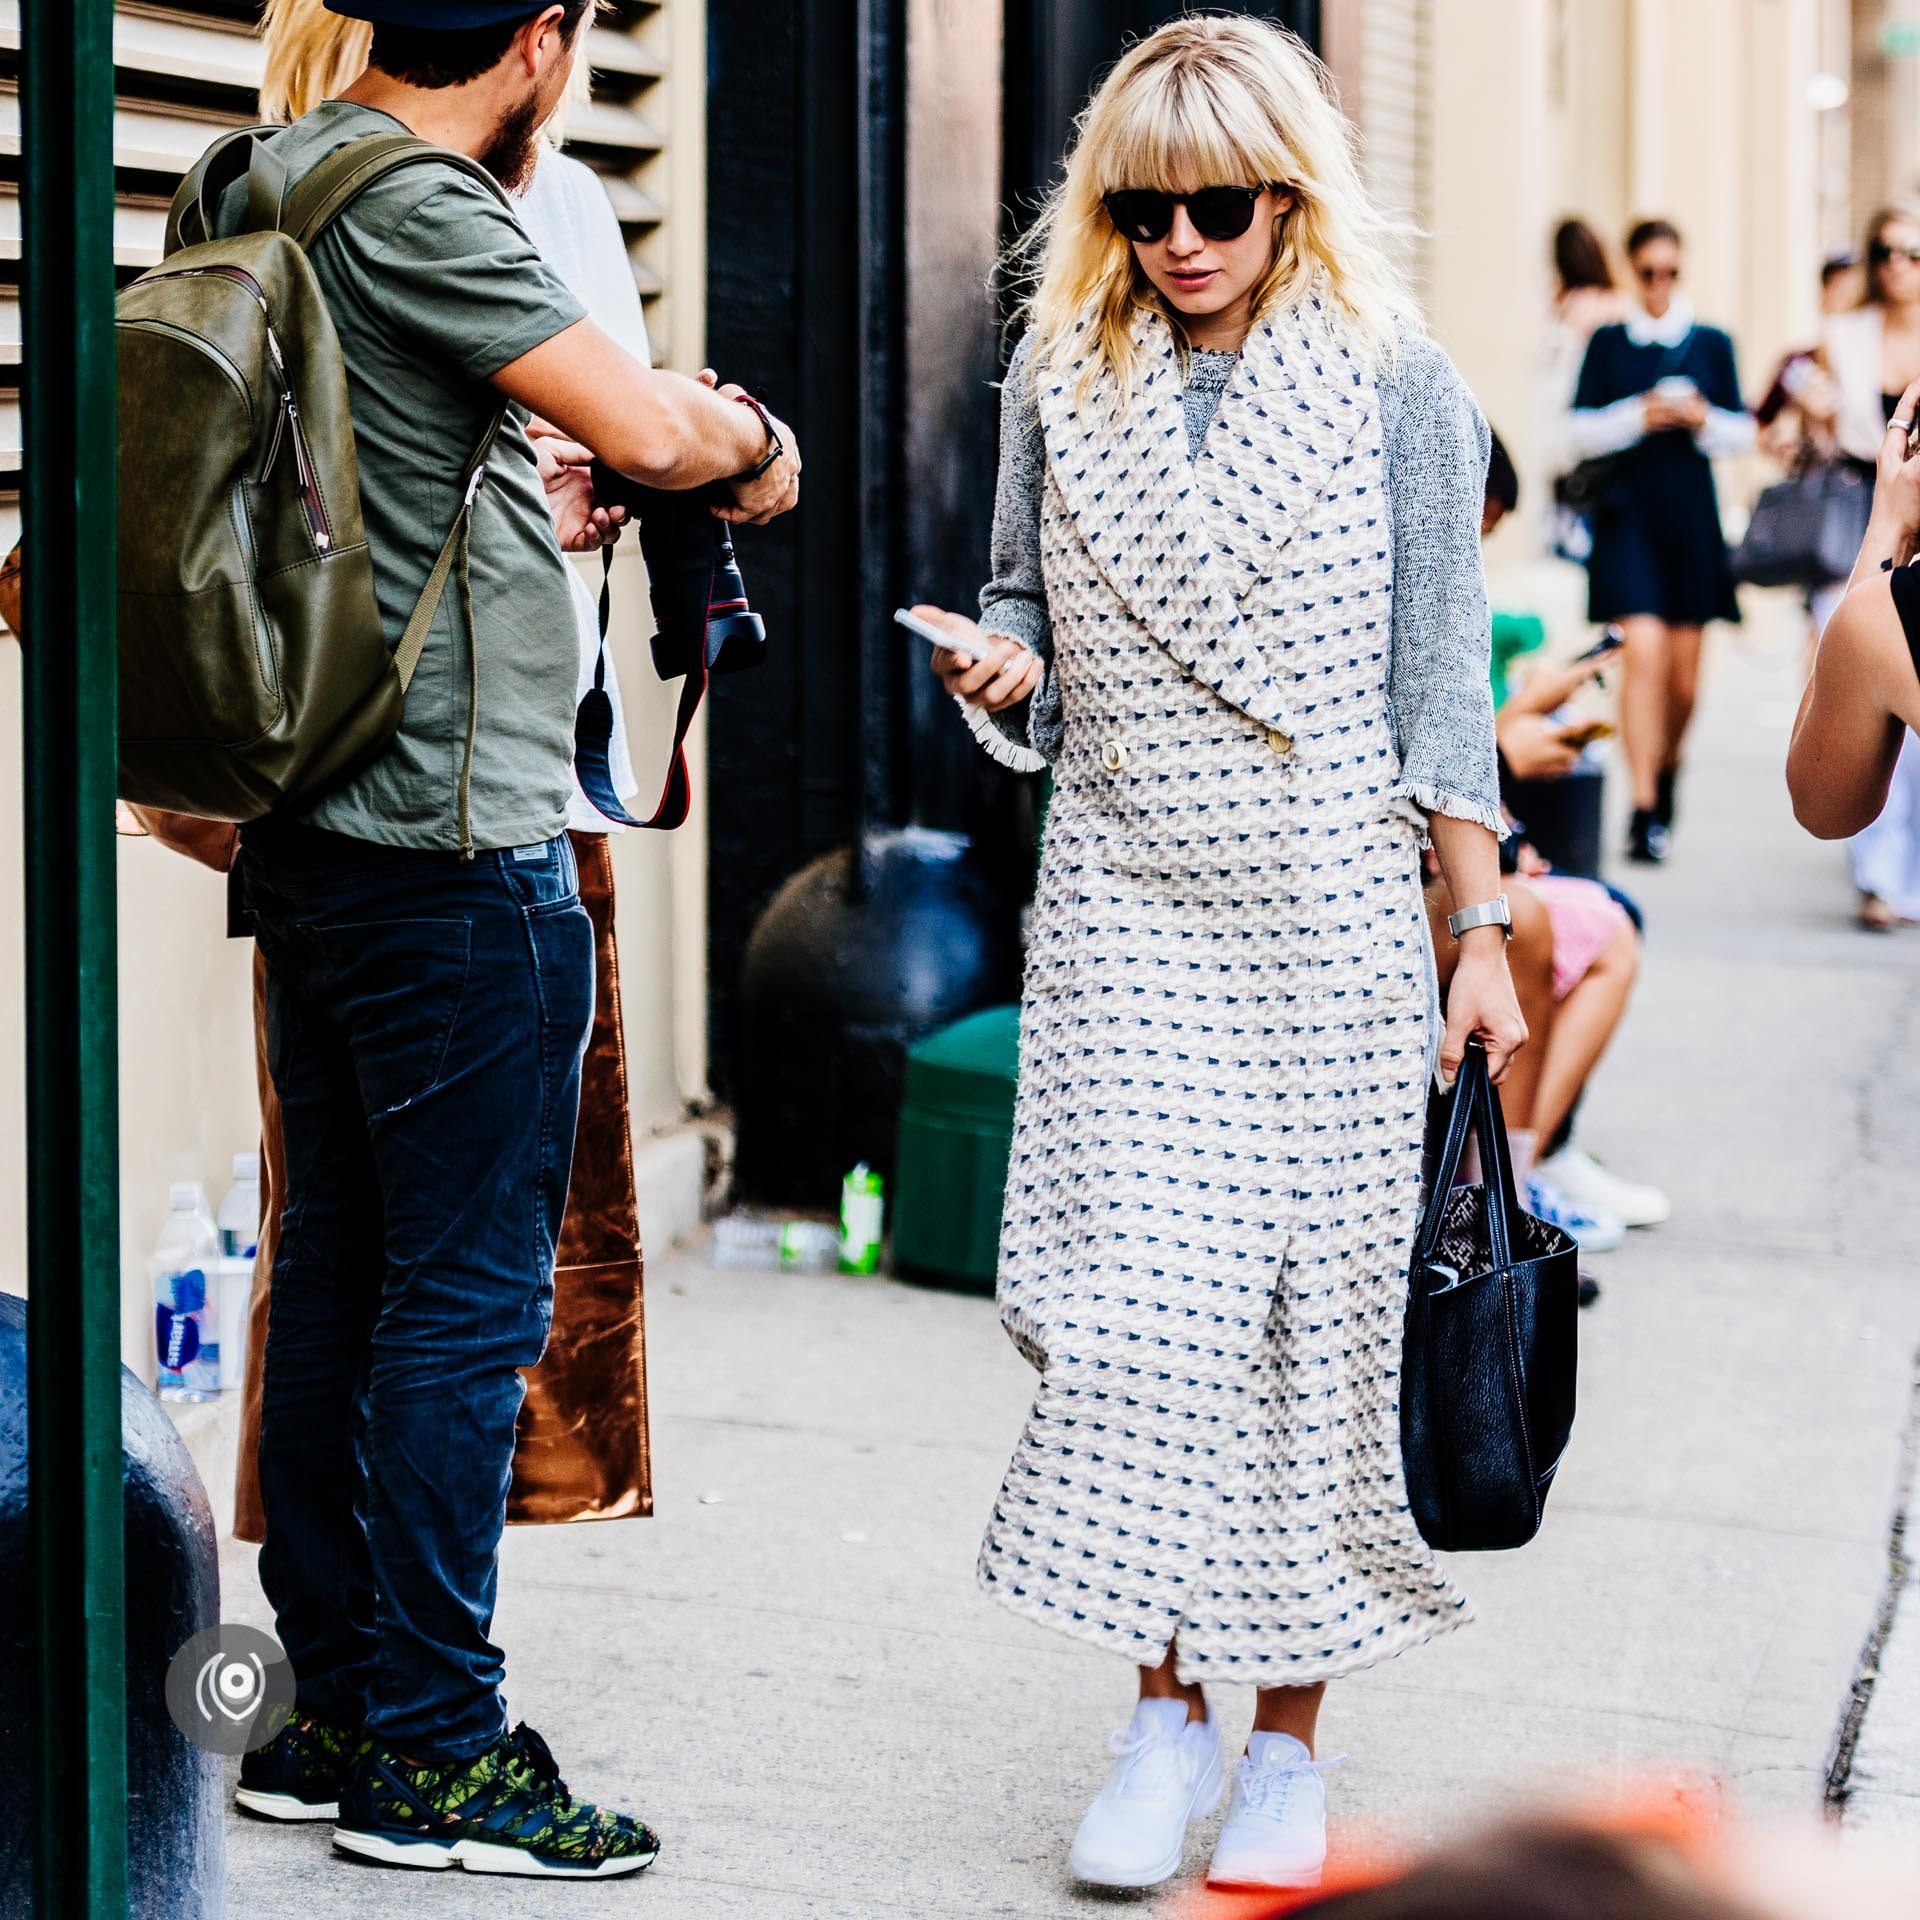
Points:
(1586, 920)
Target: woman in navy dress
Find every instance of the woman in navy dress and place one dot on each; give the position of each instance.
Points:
(1659, 392)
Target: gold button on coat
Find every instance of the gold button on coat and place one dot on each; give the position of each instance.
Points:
(1278, 741)
(1114, 755)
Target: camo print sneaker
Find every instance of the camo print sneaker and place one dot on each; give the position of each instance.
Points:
(505, 1811)
(298, 1774)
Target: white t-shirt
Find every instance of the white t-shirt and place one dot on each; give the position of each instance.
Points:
(567, 215)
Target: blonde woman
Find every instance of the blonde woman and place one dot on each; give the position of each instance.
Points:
(1237, 603)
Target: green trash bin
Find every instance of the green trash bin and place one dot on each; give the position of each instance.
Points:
(956, 1135)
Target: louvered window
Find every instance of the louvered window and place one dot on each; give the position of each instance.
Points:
(184, 72)
(1395, 58)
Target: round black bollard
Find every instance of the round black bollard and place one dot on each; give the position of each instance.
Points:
(176, 1838)
(837, 982)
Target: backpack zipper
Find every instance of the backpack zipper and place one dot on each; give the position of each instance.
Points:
(288, 418)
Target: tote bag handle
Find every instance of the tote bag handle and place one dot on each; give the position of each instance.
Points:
(1475, 1109)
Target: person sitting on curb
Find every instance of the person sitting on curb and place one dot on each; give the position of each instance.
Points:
(1575, 955)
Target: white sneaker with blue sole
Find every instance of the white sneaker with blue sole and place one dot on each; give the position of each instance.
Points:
(1167, 1772)
(1595, 1232)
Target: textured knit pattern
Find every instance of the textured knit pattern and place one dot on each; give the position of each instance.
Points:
(1435, 447)
(1224, 1039)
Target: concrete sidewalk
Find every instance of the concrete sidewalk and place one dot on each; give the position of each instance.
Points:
(791, 1675)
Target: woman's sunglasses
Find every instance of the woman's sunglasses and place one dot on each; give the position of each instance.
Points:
(1880, 253)
(1653, 276)
(1217, 213)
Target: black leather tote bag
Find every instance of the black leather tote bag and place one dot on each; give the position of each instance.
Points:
(1486, 1381)
(1806, 531)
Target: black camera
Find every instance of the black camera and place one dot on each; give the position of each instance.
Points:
(702, 626)
(699, 600)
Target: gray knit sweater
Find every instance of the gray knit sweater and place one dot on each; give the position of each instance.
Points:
(1436, 462)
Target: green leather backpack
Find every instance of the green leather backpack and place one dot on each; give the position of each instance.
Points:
(254, 669)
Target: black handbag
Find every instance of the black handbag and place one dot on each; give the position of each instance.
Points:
(1806, 530)
(1588, 488)
(1487, 1371)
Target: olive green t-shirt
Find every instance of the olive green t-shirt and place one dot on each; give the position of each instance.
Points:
(433, 287)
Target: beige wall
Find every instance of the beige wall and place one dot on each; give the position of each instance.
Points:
(1615, 109)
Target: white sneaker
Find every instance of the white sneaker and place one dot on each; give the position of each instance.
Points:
(1134, 1834)
(1588, 1184)
(1595, 1232)
(1275, 1834)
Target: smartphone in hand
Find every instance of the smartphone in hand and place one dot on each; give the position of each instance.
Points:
(973, 646)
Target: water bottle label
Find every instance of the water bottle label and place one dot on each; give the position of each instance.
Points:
(177, 1339)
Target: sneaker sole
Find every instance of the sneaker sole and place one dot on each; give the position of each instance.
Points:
(284, 1806)
(476, 1856)
(1209, 1790)
(1286, 1884)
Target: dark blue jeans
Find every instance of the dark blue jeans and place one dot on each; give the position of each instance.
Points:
(425, 1022)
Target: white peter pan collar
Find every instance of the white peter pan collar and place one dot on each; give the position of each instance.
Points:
(1669, 330)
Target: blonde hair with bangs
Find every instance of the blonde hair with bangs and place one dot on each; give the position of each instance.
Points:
(314, 55)
(1211, 100)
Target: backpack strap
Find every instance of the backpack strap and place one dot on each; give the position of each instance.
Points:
(304, 213)
(327, 189)
(191, 216)
(406, 656)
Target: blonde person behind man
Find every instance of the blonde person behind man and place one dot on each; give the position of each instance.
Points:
(1238, 605)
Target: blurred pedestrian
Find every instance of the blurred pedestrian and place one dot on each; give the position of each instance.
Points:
(1848, 739)
(1221, 374)
(1543, 1870)
(1870, 355)
(1657, 400)
(1585, 298)
(1840, 282)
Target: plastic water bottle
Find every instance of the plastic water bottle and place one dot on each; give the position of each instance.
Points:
(186, 1260)
(239, 1215)
(794, 1246)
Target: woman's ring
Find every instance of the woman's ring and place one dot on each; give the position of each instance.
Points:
(1905, 426)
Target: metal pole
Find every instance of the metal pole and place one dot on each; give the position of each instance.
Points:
(73, 1183)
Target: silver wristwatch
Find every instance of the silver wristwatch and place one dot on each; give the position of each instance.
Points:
(1489, 913)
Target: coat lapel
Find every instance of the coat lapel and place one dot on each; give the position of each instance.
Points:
(1286, 428)
(1123, 471)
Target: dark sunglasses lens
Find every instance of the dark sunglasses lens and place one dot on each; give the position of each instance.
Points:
(1222, 213)
(1140, 213)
